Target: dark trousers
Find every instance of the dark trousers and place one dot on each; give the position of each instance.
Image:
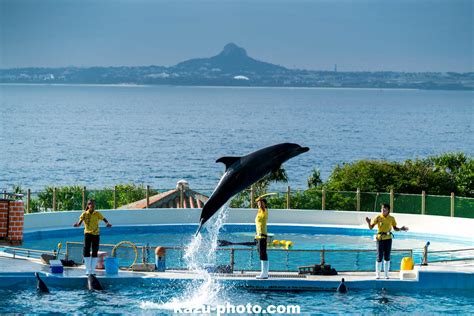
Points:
(383, 249)
(91, 240)
(262, 248)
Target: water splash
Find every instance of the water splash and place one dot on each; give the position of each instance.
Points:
(199, 255)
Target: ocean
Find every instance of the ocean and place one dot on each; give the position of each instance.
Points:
(100, 136)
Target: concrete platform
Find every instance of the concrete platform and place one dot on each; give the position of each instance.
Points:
(19, 273)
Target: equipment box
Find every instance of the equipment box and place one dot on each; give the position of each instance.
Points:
(56, 266)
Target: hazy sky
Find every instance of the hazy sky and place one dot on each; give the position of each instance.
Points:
(408, 35)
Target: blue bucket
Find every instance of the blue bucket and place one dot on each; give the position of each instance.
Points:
(111, 265)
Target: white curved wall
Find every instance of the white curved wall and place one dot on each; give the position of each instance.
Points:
(433, 225)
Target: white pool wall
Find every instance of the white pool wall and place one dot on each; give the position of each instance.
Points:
(433, 225)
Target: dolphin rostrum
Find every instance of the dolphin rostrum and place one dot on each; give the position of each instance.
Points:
(40, 285)
(241, 172)
(93, 284)
(342, 288)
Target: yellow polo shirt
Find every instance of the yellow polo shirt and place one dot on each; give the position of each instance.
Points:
(261, 224)
(384, 225)
(91, 222)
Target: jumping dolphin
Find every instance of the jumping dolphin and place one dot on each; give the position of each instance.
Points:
(241, 172)
(40, 285)
(93, 283)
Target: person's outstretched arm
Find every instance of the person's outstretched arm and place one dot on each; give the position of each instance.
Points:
(77, 224)
(369, 223)
(107, 224)
(403, 228)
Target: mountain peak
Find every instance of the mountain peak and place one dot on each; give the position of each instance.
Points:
(232, 59)
(232, 50)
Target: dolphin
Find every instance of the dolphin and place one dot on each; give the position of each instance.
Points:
(40, 285)
(93, 283)
(241, 172)
(224, 243)
(342, 288)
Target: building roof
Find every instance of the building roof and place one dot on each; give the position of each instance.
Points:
(172, 199)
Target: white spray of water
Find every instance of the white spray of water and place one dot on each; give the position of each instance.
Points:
(199, 254)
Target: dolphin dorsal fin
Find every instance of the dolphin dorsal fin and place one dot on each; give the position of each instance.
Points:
(228, 161)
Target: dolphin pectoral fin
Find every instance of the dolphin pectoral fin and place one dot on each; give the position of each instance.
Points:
(228, 161)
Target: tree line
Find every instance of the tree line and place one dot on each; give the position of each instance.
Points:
(436, 175)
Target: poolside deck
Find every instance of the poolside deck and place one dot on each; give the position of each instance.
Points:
(452, 275)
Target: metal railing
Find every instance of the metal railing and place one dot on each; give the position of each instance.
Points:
(466, 254)
(28, 253)
(246, 259)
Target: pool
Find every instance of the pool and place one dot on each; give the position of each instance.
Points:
(158, 297)
(357, 244)
(155, 298)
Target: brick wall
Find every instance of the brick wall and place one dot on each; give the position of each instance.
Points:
(11, 216)
(3, 218)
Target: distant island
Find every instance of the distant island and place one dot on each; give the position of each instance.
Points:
(233, 67)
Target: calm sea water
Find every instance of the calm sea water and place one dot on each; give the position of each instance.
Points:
(105, 135)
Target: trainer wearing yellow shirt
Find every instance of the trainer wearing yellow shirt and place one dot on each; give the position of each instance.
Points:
(384, 222)
(91, 219)
(261, 236)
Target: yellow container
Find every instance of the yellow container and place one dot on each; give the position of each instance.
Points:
(407, 263)
(276, 243)
(289, 244)
(282, 242)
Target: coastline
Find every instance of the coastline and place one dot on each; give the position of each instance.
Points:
(127, 85)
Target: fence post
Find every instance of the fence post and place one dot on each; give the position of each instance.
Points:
(425, 254)
(232, 261)
(392, 194)
(252, 196)
(323, 199)
(84, 198)
(452, 204)
(423, 202)
(115, 197)
(28, 200)
(147, 196)
(358, 200)
(288, 197)
(54, 199)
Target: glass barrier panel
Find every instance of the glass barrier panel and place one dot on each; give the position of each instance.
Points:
(464, 207)
(407, 203)
(438, 205)
(341, 201)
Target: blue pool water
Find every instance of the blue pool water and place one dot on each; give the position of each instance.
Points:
(105, 135)
(303, 238)
(152, 298)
